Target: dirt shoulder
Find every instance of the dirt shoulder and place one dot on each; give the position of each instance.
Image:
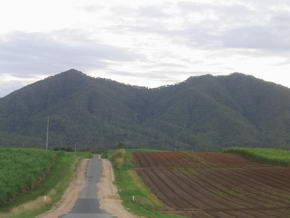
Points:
(108, 193)
(71, 194)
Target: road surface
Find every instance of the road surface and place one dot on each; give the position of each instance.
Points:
(87, 205)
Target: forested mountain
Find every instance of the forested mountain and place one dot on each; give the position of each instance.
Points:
(201, 113)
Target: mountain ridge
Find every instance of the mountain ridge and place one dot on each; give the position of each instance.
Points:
(202, 113)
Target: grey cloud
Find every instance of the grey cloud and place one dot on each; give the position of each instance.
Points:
(171, 65)
(239, 26)
(216, 17)
(242, 25)
(282, 18)
(34, 53)
(153, 12)
(190, 7)
(149, 12)
(271, 38)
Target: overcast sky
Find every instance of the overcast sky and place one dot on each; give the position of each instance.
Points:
(143, 42)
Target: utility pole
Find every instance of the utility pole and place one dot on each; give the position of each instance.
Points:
(126, 153)
(47, 132)
(75, 147)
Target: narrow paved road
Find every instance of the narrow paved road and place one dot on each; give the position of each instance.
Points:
(87, 206)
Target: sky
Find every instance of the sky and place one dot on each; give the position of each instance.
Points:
(143, 42)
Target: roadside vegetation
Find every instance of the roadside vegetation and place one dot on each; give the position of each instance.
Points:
(267, 155)
(135, 195)
(28, 174)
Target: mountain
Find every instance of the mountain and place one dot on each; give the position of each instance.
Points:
(202, 113)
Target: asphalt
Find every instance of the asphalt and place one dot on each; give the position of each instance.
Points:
(87, 205)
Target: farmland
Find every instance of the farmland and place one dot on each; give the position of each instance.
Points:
(28, 174)
(203, 184)
(129, 184)
(266, 155)
(21, 170)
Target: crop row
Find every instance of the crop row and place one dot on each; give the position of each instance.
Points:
(199, 185)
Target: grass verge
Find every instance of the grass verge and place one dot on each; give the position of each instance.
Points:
(53, 187)
(129, 184)
(266, 155)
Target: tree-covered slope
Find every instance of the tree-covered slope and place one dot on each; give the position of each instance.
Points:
(201, 113)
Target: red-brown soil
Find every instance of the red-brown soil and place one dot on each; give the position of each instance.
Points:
(208, 185)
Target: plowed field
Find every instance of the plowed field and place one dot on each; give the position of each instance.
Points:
(215, 184)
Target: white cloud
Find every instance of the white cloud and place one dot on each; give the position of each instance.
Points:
(9, 83)
(144, 42)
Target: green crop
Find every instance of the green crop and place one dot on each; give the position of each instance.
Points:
(268, 155)
(23, 169)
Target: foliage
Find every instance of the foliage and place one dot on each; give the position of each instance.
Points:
(130, 184)
(121, 145)
(205, 113)
(23, 169)
(267, 155)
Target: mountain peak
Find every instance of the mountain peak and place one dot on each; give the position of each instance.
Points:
(72, 71)
(201, 76)
(70, 74)
(237, 74)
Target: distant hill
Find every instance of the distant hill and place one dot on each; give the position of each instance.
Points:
(201, 113)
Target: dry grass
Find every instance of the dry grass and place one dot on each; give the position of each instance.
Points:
(119, 157)
(141, 186)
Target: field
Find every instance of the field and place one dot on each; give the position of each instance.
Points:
(129, 184)
(265, 155)
(21, 170)
(207, 185)
(27, 174)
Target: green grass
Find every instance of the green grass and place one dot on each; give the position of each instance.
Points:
(108, 153)
(130, 184)
(267, 155)
(53, 186)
